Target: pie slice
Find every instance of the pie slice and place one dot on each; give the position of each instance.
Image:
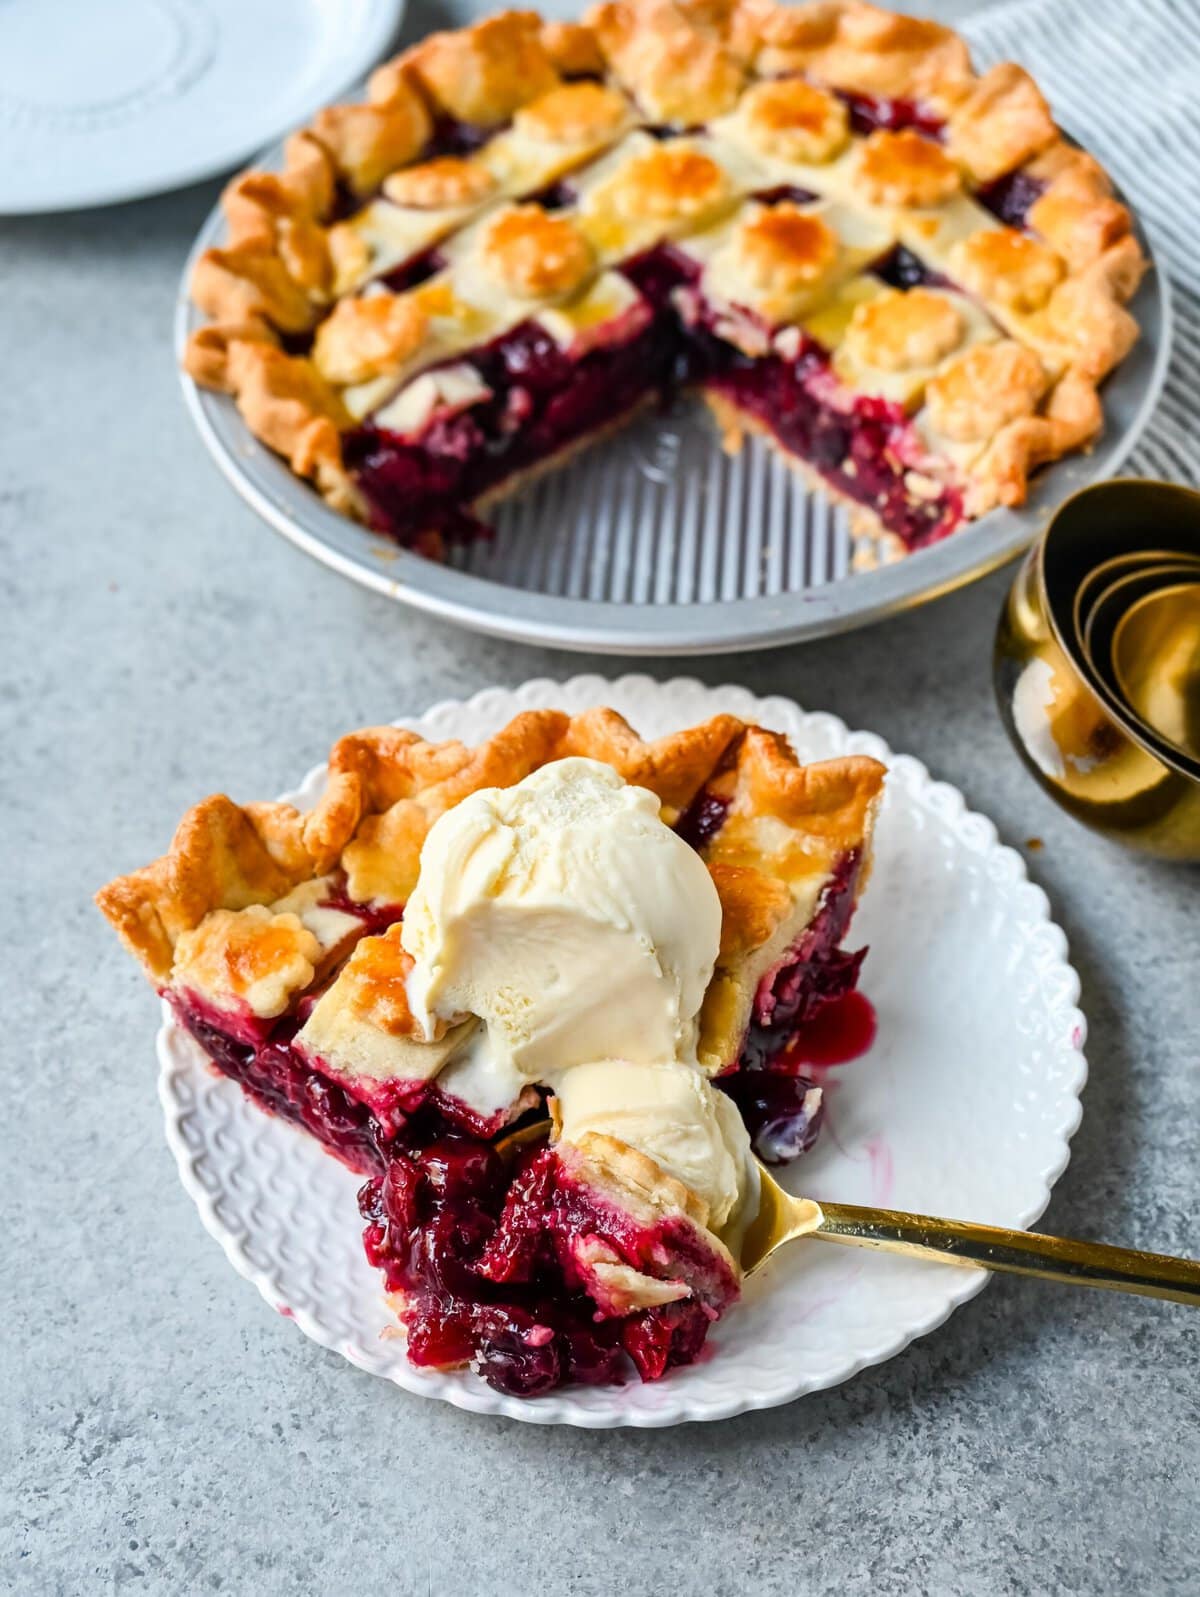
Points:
(548, 1272)
(818, 217)
(276, 937)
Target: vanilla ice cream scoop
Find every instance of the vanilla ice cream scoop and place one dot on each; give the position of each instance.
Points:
(582, 931)
(568, 917)
(671, 1113)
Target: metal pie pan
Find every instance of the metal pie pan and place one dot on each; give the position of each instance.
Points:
(700, 529)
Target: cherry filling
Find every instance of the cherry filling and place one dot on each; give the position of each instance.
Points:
(261, 1056)
(484, 1263)
(419, 488)
(816, 970)
(375, 918)
(541, 401)
(703, 819)
(1011, 197)
(451, 137)
(555, 196)
(785, 191)
(778, 1101)
(870, 112)
(277, 1078)
(413, 272)
(867, 448)
(900, 268)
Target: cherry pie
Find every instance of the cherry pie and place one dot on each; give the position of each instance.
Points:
(275, 936)
(818, 216)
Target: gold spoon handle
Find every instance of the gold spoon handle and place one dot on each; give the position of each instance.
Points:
(990, 1247)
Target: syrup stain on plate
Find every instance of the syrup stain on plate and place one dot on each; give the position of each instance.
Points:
(840, 1032)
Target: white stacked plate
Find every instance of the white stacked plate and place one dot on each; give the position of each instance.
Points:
(100, 103)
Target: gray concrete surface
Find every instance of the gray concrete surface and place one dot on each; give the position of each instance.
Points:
(163, 1430)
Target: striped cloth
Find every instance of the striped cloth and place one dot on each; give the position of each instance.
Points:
(1122, 76)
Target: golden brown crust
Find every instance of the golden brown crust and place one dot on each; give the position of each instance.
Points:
(1080, 225)
(287, 404)
(670, 181)
(247, 957)
(904, 169)
(787, 826)
(484, 73)
(674, 767)
(1059, 287)
(380, 766)
(374, 983)
(1070, 419)
(535, 255)
(212, 919)
(1006, 267)
(1076, 213)
(392, 80)
(984, 389)
(795, 120)
(206, 354)
(362, 1026)
(777, 261)
(575, 113)
(221, 857)
(631, 1178)
(304, 188)
(573, 49)
(1001, 123)
(902, 331)
(787, 37)
(714, 17)
(1084, 325)
(350, 256)
(753, 907)
(263, 212)
(309, 174)
(450, 180)
(386, 786)
(366, 142)
(382, 857)
(830, 805)
(861, 48)
(1120, 267)
(251, 283)
(675, 71)
(368, 336)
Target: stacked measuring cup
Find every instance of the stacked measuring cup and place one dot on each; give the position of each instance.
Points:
(1097, 663)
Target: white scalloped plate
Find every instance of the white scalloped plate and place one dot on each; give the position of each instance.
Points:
(963, 1107)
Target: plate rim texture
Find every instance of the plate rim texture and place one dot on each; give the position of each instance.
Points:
(724, 626)
(377, 26)
(905, 1299)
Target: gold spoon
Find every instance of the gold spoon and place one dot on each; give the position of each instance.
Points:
(781, 1218)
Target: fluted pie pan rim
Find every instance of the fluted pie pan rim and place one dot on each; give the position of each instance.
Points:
(716, 626)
